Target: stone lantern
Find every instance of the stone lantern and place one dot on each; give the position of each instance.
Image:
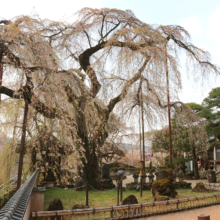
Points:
(151, 178)
(180, 175)
(135, 176)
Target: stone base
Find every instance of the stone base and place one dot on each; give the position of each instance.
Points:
(188, 176)
(136, 186)
(183, 185)
(50, 184)
(131, 186)
(79, 185)
(146, 186)
(107, 184)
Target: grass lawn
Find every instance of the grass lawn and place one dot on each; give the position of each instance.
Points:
(70, 197)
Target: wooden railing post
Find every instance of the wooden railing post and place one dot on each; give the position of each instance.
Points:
(118, 192)
(87, 194)
(141, 185)
(121, 193)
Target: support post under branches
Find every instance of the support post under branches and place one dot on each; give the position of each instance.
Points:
(20, 165)
(168, 109)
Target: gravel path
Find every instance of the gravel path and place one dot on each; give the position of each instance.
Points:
(213, 211)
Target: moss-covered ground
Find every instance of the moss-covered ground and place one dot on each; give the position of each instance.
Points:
(70, 197)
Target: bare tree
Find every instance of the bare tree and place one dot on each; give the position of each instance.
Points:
(76, 74)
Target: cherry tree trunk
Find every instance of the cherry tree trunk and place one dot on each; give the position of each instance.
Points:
(91, 170)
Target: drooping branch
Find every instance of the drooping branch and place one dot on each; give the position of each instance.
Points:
(190, 48)
(151, 89)
(39, 106)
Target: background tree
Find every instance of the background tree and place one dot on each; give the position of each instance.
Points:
(75, 75)
(188, 136)
(132, 158)
(197, 135)
(211, 113)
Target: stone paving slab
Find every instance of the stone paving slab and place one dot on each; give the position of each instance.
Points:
(213, 211)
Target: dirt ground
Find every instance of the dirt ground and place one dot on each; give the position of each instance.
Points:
(213, 211)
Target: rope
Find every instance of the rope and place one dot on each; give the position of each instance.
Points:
(69, 188)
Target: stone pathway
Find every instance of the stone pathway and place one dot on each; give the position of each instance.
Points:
(213, 211)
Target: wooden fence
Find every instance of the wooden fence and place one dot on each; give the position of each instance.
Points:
(130, 211)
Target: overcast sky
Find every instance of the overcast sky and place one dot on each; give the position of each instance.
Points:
(200, 17)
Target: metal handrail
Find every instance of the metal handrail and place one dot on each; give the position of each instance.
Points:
(15, 208)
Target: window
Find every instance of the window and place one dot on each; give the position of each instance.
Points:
(217, 153)
(210, 154)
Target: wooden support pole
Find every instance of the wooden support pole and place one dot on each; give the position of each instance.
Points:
(121, 193)
(141, 183)
(1, 69)
(142, 118)
(140, 133)
(20, 165)
(118, 192)
(168, 106)
(87, 194)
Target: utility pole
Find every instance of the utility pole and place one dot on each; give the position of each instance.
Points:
(168, 109)
(22, 145)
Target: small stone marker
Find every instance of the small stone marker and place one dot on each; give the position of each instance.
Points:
(131, 199)
(180, 175)
(200, 187)
(203, 217)
(55, 205)
(105, 171)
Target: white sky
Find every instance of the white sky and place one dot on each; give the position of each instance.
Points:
(200, 17)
